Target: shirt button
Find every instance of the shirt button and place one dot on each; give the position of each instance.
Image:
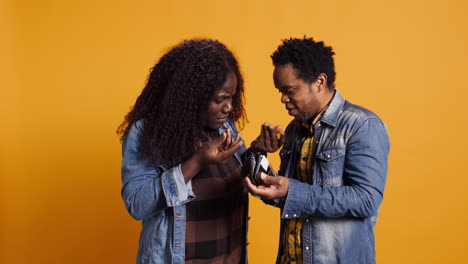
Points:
(304, 158)
(316, 141)
(307, 248)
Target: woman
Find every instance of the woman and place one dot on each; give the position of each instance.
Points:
(181, 158)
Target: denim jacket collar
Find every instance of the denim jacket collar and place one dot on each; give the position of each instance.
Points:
(330, 116)
(225, 126)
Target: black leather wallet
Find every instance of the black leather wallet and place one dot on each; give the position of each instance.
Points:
(254, 163)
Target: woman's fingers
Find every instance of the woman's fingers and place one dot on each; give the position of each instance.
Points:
(228, 141)
(224, 155)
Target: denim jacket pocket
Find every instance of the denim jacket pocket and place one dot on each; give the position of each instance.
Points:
(330, 166)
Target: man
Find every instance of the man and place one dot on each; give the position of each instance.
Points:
(334, 162)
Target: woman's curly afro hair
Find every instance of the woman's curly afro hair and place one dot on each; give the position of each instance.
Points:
(179, 88)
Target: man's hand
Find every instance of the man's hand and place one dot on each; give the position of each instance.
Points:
(270, 140)
(271, 187)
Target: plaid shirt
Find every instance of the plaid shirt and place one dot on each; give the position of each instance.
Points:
(291, 239)
(216, 219)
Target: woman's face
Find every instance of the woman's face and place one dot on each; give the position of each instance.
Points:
(221, 104)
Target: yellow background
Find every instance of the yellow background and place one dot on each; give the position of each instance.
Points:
(71, 69)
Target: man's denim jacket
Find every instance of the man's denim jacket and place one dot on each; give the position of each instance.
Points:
(157, 195)
(341, 202)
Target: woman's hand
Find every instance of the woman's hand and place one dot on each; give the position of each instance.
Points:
(218, 150)
(215, 151)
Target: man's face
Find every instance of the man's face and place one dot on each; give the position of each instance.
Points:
(300, 98)
(221, 105)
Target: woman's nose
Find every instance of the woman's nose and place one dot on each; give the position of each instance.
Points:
(227, 107)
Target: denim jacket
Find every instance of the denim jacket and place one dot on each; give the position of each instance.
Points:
(157, 195)
(341, 202)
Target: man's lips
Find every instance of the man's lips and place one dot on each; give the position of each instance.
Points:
(290, 110)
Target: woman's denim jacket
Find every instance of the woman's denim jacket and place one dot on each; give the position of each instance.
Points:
(341, 202)
(157, 195)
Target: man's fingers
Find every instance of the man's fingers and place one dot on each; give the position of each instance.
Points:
(279, 130)
(254, 143)
(266, 179)
(279, 133)
(250, 185)
(270, 181)
(281, 138)
(258, 191)
(266, 136)
(273, 138)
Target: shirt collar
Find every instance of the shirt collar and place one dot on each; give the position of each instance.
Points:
(330, 116)
(308, 126)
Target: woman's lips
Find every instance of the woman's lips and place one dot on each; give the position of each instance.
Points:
(222, 119)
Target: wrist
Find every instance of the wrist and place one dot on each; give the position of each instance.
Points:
(198, 160)
(191, 167)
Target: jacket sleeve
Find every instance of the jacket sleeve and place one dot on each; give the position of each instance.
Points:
(146, 189)
(365, 170)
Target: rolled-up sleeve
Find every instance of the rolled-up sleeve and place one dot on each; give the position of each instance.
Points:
(148, 189)
(176, 191)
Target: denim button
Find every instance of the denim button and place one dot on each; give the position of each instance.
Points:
(307, 248)
(294, 215)
(286, 215)
(307, 220)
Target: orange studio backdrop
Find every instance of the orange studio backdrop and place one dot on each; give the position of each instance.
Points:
(70, 70)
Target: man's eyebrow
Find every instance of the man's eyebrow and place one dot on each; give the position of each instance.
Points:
(284, 87)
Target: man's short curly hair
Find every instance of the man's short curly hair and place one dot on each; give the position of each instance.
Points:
(179, 88)
(309, 58)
